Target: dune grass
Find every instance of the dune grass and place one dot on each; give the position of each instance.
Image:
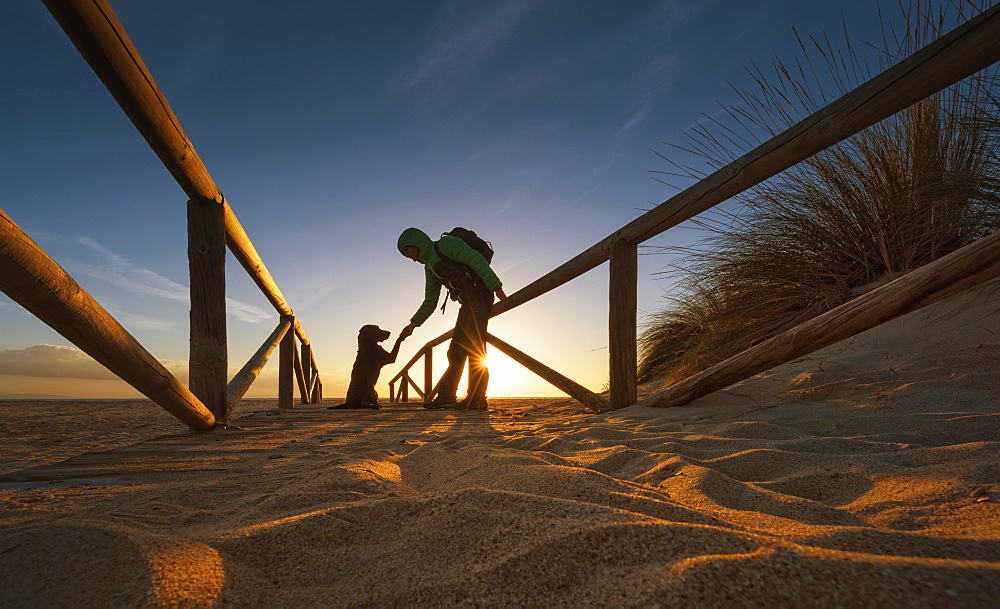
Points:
(896, 196)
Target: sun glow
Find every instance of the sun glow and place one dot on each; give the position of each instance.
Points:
(505, 374)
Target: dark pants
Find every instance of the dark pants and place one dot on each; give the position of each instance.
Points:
(468, 343)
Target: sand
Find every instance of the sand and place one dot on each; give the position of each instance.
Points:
(864, 475)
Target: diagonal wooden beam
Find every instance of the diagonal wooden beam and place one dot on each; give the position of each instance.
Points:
(573, 389)
(969, 266)
(240, 383)
(36, 282)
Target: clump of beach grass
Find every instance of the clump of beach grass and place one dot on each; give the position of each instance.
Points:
(912, 188)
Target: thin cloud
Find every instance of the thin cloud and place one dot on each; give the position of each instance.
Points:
(120, 272)
(57, 361)
(649, 88)
(458, 47)
(52, 361)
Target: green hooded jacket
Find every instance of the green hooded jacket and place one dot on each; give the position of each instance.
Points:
(455, 249)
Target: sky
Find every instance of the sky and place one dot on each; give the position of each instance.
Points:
(332, 126)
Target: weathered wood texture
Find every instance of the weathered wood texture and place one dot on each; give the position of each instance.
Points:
(960, 270)
(413, 383)
(300, 377)
(573, 389)
(305, 357)
(623, 283)
(241, 383)
(286, 366)
(244, 251)
(33, 280)
(97, 33)
(208, 363)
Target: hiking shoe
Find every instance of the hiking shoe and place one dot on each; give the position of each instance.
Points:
(441, 402)
(468, 404)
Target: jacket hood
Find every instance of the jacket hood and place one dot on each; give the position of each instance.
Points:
(417, 237)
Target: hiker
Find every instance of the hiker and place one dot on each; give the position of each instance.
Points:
(453, 262)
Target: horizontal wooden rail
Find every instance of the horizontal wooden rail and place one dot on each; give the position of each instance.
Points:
(240, 383)
(429, 345)
(573, 389)
(36, 282)
(969, 48)
(966, 50)
(969, 266)
(97, 33)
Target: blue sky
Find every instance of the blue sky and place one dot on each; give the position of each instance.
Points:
(332, 126)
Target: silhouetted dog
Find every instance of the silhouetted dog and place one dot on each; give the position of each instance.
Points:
(364, 375)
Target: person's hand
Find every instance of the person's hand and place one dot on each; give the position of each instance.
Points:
(408, 330)
(500, 294)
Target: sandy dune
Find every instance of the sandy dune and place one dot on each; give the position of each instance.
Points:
(865, 475)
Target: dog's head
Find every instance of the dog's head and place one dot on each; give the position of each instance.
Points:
(371, 334)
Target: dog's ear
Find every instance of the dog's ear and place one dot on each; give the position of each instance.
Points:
(366, 332)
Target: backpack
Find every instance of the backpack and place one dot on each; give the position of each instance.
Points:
(475, 242)
(472, 240)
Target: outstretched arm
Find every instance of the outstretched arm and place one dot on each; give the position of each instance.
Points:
(395, 349)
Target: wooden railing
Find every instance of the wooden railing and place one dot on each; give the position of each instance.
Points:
(966, 50)
(31, 278)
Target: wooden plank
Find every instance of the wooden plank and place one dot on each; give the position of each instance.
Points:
(415, 386)
(623, 284)
(305, 360)
(970, 266)
(312, 389)
(966, 50)
(208, 362)
(300, 377)
(429, 345)
(238, 387)
(286, 361)
(33, 280)
(244, 251)
(573, 389)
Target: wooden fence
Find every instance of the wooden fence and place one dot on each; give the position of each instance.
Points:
(31, 278)
(966, 50)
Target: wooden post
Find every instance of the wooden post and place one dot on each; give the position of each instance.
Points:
(300, 376)
(573, 389)
(416, 387)
(622, 323)
(248, 374)
(392, 392)
(286, 362)
(33, 280)
(305, 358)
(208, 363)
(428, 374)
(404, 388)
(969, 266)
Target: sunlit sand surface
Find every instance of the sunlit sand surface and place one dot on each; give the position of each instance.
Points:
(867, 474)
